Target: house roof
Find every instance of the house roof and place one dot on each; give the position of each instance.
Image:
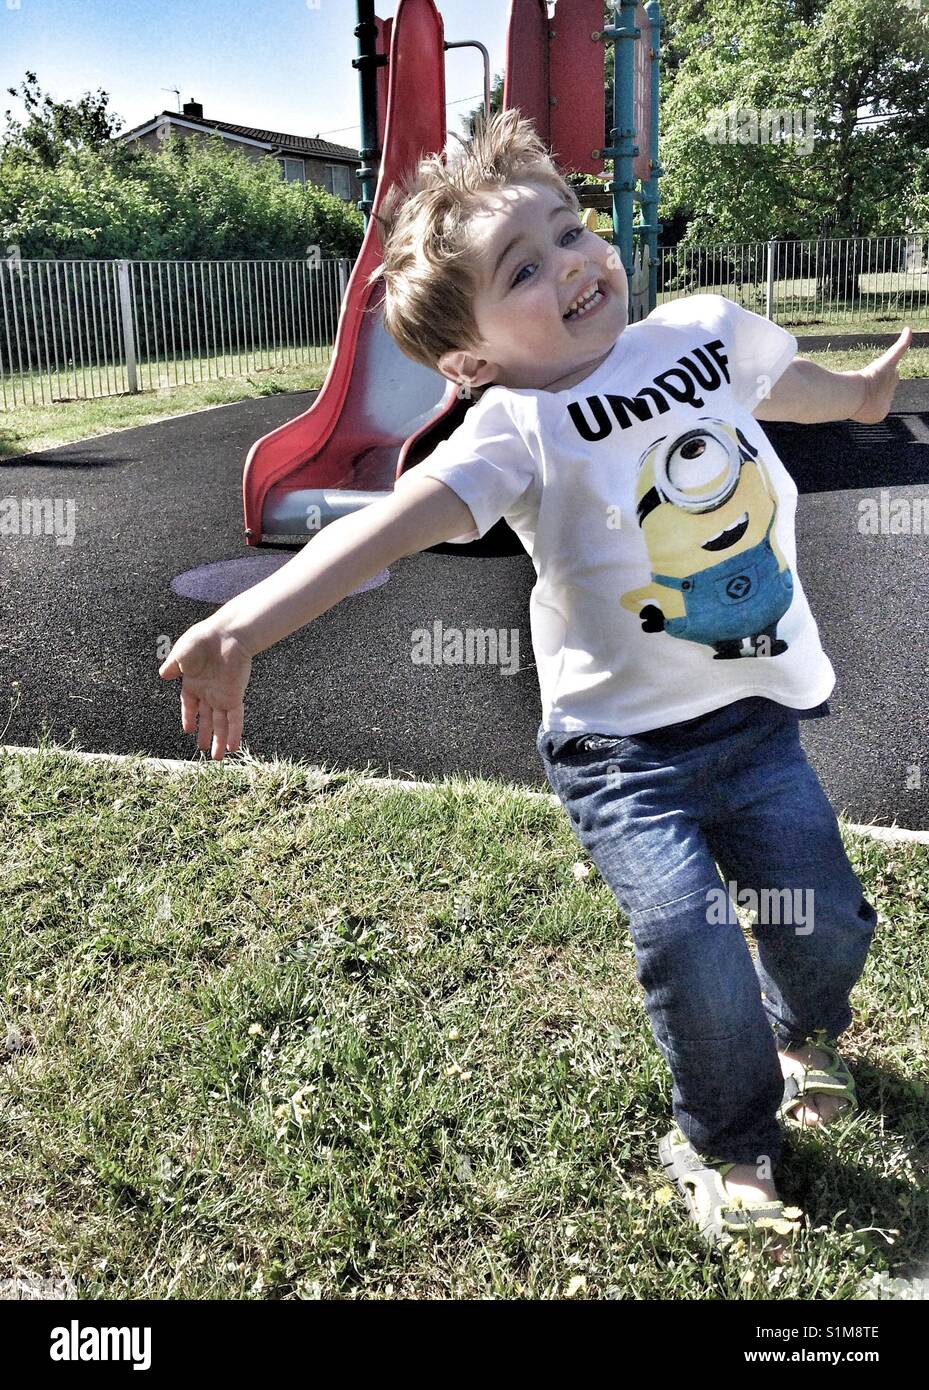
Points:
(298, 144)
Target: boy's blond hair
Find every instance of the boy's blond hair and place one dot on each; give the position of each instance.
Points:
(429, 268)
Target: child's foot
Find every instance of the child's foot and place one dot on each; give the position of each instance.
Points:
(715, 1189)
(818, 1109)
(743, 1181)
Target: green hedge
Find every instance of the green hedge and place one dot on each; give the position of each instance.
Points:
(186, 201)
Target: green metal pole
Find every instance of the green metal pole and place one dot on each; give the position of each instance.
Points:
(650, 224)
(367, 63)
(622, 149)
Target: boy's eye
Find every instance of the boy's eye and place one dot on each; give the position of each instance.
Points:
(572, 232)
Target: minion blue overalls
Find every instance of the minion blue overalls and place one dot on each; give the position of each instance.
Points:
(742, 596)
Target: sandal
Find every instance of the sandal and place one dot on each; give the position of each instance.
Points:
(833, 1080)
(720, 1216)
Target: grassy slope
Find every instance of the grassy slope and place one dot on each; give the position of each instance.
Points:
(286, 1037)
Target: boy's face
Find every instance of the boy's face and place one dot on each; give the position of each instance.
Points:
(526, 288)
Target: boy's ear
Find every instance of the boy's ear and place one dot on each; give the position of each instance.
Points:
(465, 369)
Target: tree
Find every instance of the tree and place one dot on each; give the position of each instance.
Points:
(830, 60)
(55, 128)
(184, 201)
(496, 104)
(69, 187)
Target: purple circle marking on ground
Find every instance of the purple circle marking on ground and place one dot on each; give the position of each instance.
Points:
(222, 580)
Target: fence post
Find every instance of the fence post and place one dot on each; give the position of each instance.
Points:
(125, 305)
(769, 291)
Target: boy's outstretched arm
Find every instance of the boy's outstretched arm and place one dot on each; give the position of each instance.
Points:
(214, 657)
(809, 394)
(344, 555)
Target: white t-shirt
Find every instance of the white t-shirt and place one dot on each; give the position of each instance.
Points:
(659, 520)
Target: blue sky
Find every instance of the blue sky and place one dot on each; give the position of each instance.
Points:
(281, 64)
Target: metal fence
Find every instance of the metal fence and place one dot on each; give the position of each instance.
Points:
(837, 282)
(73, 330)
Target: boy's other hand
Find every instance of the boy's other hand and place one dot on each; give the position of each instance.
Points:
(880, 378)
(215, 669)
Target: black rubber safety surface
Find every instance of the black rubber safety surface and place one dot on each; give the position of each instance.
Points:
(86, 624)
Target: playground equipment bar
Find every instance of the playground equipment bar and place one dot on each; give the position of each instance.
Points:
(622, 151)
(367, 63)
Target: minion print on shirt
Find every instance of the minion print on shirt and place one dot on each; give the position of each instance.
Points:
(706, 509)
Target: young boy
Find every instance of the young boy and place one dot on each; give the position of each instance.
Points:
(675, 647)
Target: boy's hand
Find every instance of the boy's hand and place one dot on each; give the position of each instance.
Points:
(880, 378)
(215, 669)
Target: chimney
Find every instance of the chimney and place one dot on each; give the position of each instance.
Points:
(194, 110)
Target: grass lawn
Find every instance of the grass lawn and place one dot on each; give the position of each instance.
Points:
(29, 428)
(273, 1033)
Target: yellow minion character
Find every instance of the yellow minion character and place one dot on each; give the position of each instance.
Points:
(706, 508)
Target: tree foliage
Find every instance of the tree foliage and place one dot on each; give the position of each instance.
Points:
(55, 128)
(834, 61)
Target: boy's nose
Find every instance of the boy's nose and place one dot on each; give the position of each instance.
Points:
(575, 261)
(574, 279)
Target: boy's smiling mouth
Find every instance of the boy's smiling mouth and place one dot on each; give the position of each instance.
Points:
(587, 301)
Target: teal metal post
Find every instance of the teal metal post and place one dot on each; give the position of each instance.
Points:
(622, 149)
(367, 63)
(650, 225)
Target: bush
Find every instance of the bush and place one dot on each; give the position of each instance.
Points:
(189, 200)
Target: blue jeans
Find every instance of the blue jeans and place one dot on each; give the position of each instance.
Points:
(657, 812)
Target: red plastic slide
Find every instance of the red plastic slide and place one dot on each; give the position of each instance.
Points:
(379, 413)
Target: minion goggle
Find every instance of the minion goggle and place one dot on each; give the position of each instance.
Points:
(714, 461)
